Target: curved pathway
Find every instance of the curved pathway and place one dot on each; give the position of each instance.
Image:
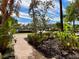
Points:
(23, 50)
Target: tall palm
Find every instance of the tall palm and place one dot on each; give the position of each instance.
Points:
(72, 12)
(61, 15)
(7, 7)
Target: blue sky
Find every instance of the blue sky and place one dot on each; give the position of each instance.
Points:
(24, 17)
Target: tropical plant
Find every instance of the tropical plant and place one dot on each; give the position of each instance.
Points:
(68, 40)
(6, 33)
(68, 27)
(7, 7)
(7, 22)
(37, 38)
(72, 12)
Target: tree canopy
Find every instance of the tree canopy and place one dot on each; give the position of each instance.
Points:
(38, 11)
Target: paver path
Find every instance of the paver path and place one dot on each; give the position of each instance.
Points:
(23, 50)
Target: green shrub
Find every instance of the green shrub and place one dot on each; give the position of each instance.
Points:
(68, 40)
(38, 38)
(68, 27)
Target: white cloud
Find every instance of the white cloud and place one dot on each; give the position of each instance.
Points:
(56, 18)
(24, 15)
(71, 0)
(26, 3)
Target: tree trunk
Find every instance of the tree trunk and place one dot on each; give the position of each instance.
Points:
(61, 15)
(74, 25)
(34, 21)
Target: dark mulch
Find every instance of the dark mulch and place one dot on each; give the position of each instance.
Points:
(51, 48)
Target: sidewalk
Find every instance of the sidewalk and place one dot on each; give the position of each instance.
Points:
(23, 50)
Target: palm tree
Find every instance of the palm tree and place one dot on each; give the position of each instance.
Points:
(7, 8)
(61, 15)
(72, 12)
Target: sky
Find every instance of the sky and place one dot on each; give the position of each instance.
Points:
(54, 13)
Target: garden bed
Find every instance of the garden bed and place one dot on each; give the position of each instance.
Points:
(51, 47)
